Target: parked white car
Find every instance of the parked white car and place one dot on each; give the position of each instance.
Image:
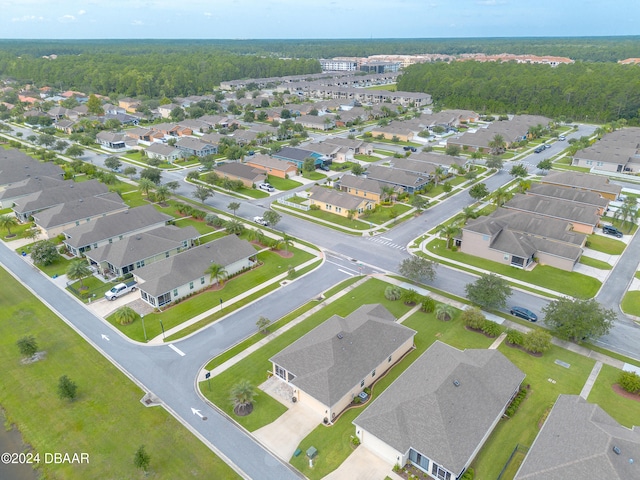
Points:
(266, 187)
(261, 221)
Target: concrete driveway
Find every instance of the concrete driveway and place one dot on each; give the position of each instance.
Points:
(362, 464)
(284, 435)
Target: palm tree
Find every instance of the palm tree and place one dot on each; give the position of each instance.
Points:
(438, 174)
(145, 186)
(497, 144)
(448, 232)
(524, 185)
(285, 242)
(501, 196)
(125, 315)
(235, 227)
(78, 270)
(444, 312)
(217, 272)
(628, 212)
(386, 192)
(234, 206)
(162, 193)
(7, 221)
(255, 234)
(467, 213)
(242, 395)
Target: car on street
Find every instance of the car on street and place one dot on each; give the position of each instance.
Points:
(267, 187)
(524, 313)
(611, 230)
(410, 149)
(261, 221)
(562, 138)
(540, 148)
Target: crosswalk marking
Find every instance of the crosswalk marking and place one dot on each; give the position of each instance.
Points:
(386, 242)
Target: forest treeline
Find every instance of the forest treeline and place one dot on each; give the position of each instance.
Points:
(593, 49)
(598, 92)
(151, 74)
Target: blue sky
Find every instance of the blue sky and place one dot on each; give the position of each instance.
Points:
(60, 19)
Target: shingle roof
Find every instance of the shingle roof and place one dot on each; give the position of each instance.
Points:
(79, 210)
(173, 272)
(163, 149)
(335, 197)
(270, 162)
(293, 153)
(327, 367)
(396, 176)
(15, 166)
(555, 208)
(31, 185)
(240, 170)
(582, 180)
(361, 183)
(579, 196)
(577, 441)
(143, 245)
(115, 225)
(59, 195)
(423, 409)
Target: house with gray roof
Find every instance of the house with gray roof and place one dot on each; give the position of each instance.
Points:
(196, 147)
(439, 412)
(180, 275)
(333, 363)
(26, 206)
(26, 187)
(583, 197)
(522, 240)
(111, 140)
(112, 228)
(339, 202)
(406, 180)
(584, 181)
(583, 218)
(272, 166)
(618, 151)
(581, 440)
(145, 248)
(164, 152)
(16, 166)
(299, 155)
(248, 175)
(53, 221)
(360, 187)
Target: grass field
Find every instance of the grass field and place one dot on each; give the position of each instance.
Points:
(605, 245)
(624, 410)
(283, 183)
(595, 263)
(107, 420)
(631, 303)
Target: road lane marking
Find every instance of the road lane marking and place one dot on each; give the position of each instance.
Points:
(177, 350)
(344, 271)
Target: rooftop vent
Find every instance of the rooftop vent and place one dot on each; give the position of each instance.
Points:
(456, 383)
(340, 336)
(616, 450)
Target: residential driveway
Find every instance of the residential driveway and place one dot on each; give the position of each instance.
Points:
(284, 435)
(362, 464)
(103, 307)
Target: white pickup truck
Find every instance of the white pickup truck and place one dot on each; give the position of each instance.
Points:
(120, 289)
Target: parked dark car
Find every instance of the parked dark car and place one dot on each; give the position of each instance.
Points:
(611, 230)
(324, 166)
(524, 313)
(540, 148)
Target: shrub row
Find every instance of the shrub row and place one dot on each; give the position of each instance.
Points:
(515, 403)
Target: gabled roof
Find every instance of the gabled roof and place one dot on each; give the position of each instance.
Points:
(586, 197)
(79, 210)
(240, 170)
(555, 208)
(271, 163)
(336, 355)
(577, 441)
(360, 183)
(423, 409)
(582, 180)
(115, 225)
(59, 195)
(344, 142)
(143, 245)
(16, 166)
(31, 185)
(396, 176)
(191, 143)
(336, 198)
(173, 272)
(160, 148)
(293, 153)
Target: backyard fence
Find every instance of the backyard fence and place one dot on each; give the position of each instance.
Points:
(283, 200)
(509, 470)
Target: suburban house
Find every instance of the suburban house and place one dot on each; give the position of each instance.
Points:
(407, 181)
(583, 197)
(360, 187)
(248, 175)
(272, 166)
(171, 129)
(584, 181)
(143, 135)
(355, 147)
(333, 363)
(316, 122)
(54, 220)
(20, 189)
(165, 110)
(145, 248)
(401, 132)
(129, 104)
(449, 118)
(583, 218)
(244, 137)
(164, 152)
(105, 230)
(15, 166)
(581, 440)
(446, 162)
(618, 151)
(298, 156)
(522, 239)
(66, 126)
(192, 146)
(339, 202)
(26, 206)
(413, 166)
(439, 412)
(180, 275)
(110, 140)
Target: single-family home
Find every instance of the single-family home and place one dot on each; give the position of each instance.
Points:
(272, 166)
(299, 155)
(22, 188)
(180, 275)
(143, 135)
(333, 363)
(54, 220)
(129, 104)
(358, 147)
(316, 122)
(111, 140)
(165, 110)
(191, 146)
(407, 181)
(583, 197)
(360, 187)
(67, 126)
(618, 151)
(248, 175)
(339, 202)
(440, 411)
(403, 133)
(584, 181)
(143, 248)
(580, 440)
(164, 152)
(16, 166)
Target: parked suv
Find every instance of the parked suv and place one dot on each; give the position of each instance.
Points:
(611, 230)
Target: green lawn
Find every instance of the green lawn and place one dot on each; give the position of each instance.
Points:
(523, 427)
(366, 158)
(624, 410)
(631, 303)
(569, 283)
(200, 225)
(17, 231)
(255, 367)
(338, 219)
(605, 245)
(383, 214)
(283, 183)
(253, 192)
(94, 288)
(314, 175)
(107, 420)
(273, 265)
(595, 263)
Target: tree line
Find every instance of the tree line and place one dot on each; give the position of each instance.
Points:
(597, 92)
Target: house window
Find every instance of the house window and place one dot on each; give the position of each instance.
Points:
(589, 162)
(175, 292)
(140, 264)
(120, 237)
(362, 384)
(327, 206)
(439, 472)
(281, 372)
(77, 223)
(111, 240)
(419, 460)
(201, 280)
(166, 254)
(95, 245)
(599, 164)
(506, 256)
(338, 209)
(373, 374)
(485, 238)
(191, 285)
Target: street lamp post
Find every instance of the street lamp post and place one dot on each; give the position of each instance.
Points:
(144, 330)
(162, 327)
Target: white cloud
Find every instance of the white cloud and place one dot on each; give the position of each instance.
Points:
(136, 22)
(207, 14)
(81, 12)
(28, 18)
(66, 19)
